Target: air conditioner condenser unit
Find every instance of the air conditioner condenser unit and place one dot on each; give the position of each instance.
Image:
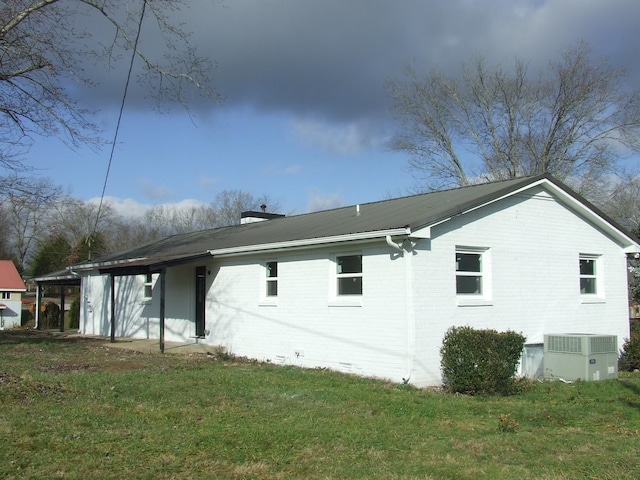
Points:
(581, 356)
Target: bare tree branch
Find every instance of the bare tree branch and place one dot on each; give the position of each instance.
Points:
(575, 120)
(44, 45)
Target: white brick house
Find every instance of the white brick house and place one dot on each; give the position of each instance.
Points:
(371, 289)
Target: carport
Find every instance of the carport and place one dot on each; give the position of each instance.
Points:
(144, 266)
(61, 278)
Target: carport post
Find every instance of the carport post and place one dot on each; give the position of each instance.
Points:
(62, 308)
(163, 274)
(113, 308)
(36, 314)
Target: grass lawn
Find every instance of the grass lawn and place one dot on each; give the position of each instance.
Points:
(75, 408)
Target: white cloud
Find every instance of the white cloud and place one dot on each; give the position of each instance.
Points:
(343, 139)
(129, 208)
(320, 201)
(125, 207)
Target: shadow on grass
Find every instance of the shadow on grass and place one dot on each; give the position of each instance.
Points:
(13, 337)
(634, 388)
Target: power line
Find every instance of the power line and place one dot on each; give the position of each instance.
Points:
(115, 136)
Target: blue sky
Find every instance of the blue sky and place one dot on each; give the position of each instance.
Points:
(305, 118)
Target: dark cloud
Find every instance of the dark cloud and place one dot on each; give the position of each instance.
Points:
(329, 59)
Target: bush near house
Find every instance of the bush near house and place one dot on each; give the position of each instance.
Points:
(50, 315)
(630, 358)
(480, 361)
(26, 318)
(74, 314)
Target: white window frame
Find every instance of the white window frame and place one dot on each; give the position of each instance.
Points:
(597, 276)
(147, 289)
(265, 280)
(271, 280)
(484, 297)
(348, 300)
(6, 295)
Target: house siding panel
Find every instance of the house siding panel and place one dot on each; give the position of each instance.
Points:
(304, 327)
(535, 243)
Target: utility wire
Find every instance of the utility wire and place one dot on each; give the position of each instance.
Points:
(115, 136)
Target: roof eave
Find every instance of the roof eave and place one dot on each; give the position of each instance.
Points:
(310, 242)
(574, 200)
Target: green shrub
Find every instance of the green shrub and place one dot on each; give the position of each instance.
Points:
(50, 315)
(26, 319)
(480, 361)
(74, 314)
(630, 358)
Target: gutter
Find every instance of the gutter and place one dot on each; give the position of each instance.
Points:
(309, 243)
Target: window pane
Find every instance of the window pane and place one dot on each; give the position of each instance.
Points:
(587, 285)
(272, 288)
(468, 262)
(469, 284)
(272, 269)
(350, 286)
(587, 266)
(350, 264)
(147, 291)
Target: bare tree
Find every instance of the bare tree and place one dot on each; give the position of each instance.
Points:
(5, 239)
(623, 203)
(76, 221)
(28, 214)
(45, 44)
(165, 220)
(229, 204)
(574, 120)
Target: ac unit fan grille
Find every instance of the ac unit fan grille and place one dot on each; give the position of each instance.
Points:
(603, 345)
(581, 344)
(564, 344)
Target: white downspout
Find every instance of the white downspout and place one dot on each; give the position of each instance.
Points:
(392, 244)
(411, 328)
(408, 290)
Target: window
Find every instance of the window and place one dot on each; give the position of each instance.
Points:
(6, 295)
(148, 286)
(272, 279)
(589, 275)
(473, 276)
(349, 275)
(469, 273)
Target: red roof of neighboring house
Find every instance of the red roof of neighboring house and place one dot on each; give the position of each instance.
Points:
(9, 277)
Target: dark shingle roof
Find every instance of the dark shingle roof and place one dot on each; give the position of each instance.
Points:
(413, 212)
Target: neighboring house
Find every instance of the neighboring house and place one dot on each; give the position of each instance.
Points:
(371, 289)
(11, 289)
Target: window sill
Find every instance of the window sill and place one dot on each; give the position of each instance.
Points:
(592, 300)
(268, 302)
(146, 302)
(346, 302)
(473, 302)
